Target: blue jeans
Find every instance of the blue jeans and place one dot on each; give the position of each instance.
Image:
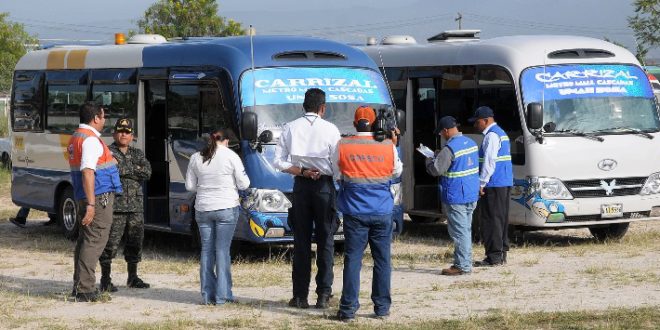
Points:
(358, 231)
(216, 230)
(459, 223)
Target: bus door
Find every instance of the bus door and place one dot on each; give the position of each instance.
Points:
(155, 148)
(424, 116)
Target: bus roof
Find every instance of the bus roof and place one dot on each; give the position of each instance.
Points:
(232, 53)
(513, 52)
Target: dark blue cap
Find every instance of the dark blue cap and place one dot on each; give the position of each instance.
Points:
(445, 122)
(482, 112)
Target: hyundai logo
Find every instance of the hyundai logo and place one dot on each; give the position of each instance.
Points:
(607, 164)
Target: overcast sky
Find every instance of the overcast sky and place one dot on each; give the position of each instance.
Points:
(344, 20)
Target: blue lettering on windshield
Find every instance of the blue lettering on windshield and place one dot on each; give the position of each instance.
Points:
(582, 81)
(288, 85)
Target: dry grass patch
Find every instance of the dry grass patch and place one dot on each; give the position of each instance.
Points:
(475, 284)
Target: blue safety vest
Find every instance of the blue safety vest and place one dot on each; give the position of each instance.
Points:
(503, 174)
(460, 184)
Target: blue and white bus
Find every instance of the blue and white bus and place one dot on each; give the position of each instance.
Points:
(175, 92)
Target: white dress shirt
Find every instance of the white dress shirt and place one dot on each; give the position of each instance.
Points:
(491, 146)
(398, 165)
(309, 142)
(92, 149)
(218, 181)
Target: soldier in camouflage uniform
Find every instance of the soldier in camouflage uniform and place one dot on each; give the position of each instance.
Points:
(128, 217)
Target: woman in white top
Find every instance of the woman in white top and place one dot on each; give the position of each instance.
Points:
(216, 174)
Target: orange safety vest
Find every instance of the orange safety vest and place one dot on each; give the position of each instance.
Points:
(366, 166)
(106, 176)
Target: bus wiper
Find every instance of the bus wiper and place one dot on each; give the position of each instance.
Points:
(582, 134)
(627, 129)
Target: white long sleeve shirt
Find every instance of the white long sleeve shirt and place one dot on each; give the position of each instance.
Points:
(216, 182)
(491, 146)
(308, 141)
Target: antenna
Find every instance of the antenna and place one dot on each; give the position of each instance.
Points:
(254, 89)
(459, 19)
(387, 82)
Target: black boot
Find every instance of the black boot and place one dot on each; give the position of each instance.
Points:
(106, 281)
(133, 280)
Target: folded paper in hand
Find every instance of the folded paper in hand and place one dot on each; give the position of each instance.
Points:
(424, 150)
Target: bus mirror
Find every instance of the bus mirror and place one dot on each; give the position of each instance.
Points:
(249, 126)
(534, 116)
(265, 136)
(401, 121)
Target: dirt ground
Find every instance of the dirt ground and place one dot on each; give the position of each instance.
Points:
(547, 271)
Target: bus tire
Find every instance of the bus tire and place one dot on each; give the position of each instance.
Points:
(614, 231)
(422, 219)
(67, 214)
(6, 161)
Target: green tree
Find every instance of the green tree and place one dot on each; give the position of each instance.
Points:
(187, 18)
(646, 24)
(14, 43)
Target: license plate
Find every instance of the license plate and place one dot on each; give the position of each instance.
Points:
(611, 211)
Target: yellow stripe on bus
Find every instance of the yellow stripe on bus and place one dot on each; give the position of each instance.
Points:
(56, 60)
(64, 143)
(76, 59)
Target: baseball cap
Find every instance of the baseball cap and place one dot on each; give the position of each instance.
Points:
(124, 125)
(445, 122)
(365, 113)
(482, 112)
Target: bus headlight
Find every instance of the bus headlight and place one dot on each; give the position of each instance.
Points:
(549, 188)
(652, 185)
(395, 189)
(266, 200)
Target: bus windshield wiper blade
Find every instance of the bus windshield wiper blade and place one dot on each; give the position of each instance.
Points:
(582, 134)
(627, 129)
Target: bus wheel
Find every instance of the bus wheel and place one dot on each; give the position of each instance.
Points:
(67, 214)
(614, 231)
(6, 161)
(422, 219)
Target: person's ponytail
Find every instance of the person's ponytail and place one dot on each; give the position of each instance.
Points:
(211, 146)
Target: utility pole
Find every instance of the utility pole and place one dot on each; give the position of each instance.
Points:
(458, 19)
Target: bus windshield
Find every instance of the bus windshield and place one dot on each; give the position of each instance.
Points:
(278, 94)
(592, 98)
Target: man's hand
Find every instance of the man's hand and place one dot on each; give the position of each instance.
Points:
(89, 215)
(312, 173)
(481, 191)
(395, 135)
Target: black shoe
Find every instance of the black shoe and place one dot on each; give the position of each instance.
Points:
(298, 303)
(138, 283)
(343, 318)
(50, 222)
(107, 286)
(87, 297)
(323, 301)
(18, 221)
(486, 263)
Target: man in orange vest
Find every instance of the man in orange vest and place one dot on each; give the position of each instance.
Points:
(95, 179)
(365, 169)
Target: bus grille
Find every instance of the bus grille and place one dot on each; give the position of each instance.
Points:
(596, 217)
(597, 187)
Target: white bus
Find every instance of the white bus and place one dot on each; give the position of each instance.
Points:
(579, 112)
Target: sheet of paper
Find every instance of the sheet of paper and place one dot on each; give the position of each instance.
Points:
(424, 150)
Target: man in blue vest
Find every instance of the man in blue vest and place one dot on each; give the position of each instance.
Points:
(457, 165)
(496, 179)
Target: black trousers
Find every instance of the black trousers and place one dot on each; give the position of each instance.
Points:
(494, 207)
(313, 211)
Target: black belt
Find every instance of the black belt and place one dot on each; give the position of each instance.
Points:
(322, 177)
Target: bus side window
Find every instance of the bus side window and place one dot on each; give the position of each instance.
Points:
(496, 90)
(66, 91)
(116, 90)
(215, 113)
(27, 101)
